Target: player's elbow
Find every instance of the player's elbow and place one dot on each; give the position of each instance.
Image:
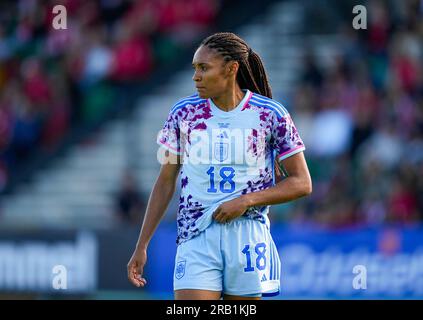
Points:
(306, 187)
(309, 187)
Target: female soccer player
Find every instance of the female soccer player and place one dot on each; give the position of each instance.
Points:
(224, 141)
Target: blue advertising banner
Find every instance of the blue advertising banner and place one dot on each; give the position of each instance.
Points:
(49, 262)
(359, 263)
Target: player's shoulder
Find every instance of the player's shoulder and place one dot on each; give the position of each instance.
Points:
(189, 100)
(264, 102)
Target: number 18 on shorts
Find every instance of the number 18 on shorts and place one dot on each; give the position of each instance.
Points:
(238, 258)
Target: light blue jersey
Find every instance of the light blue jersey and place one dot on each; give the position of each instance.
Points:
(225, 154)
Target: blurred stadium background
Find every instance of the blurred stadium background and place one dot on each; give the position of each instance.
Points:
(80, 110)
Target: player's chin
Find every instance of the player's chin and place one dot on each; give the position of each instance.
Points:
(203, 93)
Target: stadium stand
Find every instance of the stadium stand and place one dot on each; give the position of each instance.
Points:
(364, 89)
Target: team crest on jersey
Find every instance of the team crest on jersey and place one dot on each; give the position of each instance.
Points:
(180, 269)
(221, 151)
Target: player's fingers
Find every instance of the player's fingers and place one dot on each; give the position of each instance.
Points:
(134, 277)
(142, 281)
(138, 281)
(131, 273)
(217, 216)
(129, 269)
(216, 212)
(221, 217)
(226, 219)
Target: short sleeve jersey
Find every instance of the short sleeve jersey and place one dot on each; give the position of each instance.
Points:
(225, 154)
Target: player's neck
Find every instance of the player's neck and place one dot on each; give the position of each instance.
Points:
(230, 99)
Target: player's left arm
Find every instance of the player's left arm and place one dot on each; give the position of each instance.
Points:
(297, 184)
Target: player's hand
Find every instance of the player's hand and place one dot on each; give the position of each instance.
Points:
(136, 267)
(230, 210)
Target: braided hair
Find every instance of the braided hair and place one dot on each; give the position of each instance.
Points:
(251, 73)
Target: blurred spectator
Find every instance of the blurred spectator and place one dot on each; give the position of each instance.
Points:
(132, 57)
(97, 58)
(129, 204)
(362, 119)
(331, 132)
(402, 201)
(312, 74)
(54, 80)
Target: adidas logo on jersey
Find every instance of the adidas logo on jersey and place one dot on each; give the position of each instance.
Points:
(263, 278)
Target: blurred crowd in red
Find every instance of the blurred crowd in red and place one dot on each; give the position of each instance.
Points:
(362, 116)
(53, 79)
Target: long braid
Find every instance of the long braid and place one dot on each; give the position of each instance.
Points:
(251, 73)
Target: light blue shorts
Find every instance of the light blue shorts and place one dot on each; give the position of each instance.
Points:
(238, 258)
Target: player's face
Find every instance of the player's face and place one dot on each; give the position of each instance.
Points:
(211, 76)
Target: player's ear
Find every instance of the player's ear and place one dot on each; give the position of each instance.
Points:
(232, 68)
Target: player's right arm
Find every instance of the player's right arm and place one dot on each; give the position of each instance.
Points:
(158, 202)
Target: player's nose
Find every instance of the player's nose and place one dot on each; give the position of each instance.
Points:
(196, 77)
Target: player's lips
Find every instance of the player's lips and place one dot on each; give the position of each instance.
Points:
(199, 88)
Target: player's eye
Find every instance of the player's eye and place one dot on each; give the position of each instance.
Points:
(201, 68)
